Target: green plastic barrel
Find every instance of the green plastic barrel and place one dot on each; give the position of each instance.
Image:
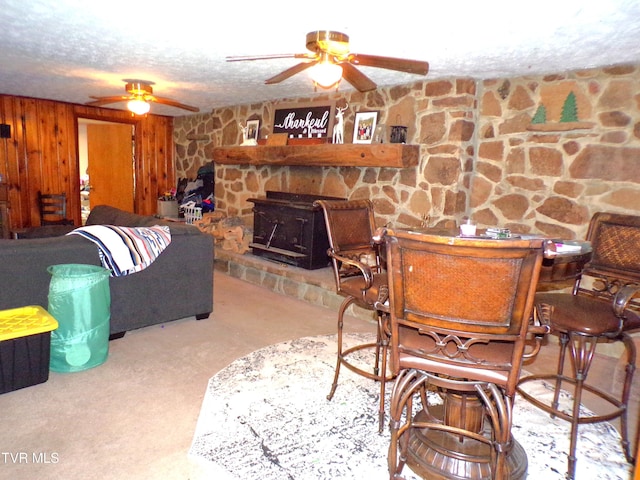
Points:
(80, 300)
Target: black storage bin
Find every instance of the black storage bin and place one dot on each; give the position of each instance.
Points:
(25, 346)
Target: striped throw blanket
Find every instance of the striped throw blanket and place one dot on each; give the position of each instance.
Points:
(125, 250)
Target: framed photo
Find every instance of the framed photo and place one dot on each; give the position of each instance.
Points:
(364, 126)
(253, 129)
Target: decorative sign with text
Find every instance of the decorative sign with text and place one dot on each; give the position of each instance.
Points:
(314, 121)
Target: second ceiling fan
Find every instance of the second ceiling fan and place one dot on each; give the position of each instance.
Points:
(331, 60)
(138, 98)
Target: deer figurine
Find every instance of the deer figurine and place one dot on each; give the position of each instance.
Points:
(338, 128)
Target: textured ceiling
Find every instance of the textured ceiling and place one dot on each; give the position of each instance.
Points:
(67, 50)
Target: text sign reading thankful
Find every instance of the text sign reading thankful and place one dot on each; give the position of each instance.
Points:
(303, 121)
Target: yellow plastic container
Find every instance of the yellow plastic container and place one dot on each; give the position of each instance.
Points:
(19, 322)
(25, 345)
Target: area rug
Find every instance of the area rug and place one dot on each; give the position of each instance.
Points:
(266, 416)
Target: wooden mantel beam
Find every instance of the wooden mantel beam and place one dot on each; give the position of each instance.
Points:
(390, 155)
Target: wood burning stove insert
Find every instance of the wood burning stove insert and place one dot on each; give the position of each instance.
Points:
(287, 228)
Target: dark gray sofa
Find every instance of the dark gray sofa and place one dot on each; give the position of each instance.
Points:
(178, 284)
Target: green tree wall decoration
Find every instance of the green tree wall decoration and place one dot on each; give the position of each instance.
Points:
(569, 109)
(540, 116)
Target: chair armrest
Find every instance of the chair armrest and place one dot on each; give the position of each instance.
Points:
(382, 304)
(623, 298)
(549, 249)
(541, 318)
(366, 271)
(538, 327)
(378, 235)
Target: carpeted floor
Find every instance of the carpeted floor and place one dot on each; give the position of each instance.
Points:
(266, 416)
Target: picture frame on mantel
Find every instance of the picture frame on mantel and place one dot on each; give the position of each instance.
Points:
(253, 130)
(364, 126)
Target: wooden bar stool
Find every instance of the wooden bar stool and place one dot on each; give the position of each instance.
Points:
(603, 307)
(360, 277)
(460, 323)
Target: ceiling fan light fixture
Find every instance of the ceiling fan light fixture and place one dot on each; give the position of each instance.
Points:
(138, 106)
(326, 73)
(139, 98)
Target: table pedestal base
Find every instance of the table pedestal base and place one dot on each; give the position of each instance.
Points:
(434, 454)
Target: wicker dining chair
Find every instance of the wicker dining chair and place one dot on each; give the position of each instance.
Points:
(603, 308)
(461, 325)
(362, 280)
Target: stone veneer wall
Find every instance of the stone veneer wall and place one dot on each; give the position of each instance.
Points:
(480, 155)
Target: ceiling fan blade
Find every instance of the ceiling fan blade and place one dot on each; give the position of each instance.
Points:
(356, 78)
(290, 72)
(106, 100)
(173, 103)
(400, 64)
(269, 57)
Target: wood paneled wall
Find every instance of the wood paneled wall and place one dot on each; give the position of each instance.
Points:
(42, 155)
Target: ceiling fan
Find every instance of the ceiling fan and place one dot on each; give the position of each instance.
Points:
(140, 93)
(330, 61)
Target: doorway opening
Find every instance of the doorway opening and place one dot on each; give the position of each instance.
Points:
(106, 155)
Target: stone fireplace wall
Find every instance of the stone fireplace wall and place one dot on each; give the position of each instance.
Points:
(481, 155)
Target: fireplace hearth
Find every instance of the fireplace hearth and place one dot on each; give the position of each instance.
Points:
(287, 228)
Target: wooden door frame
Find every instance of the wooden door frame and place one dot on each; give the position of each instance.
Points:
(136, 151)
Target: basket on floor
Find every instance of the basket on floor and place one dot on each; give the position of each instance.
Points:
(192, 214)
